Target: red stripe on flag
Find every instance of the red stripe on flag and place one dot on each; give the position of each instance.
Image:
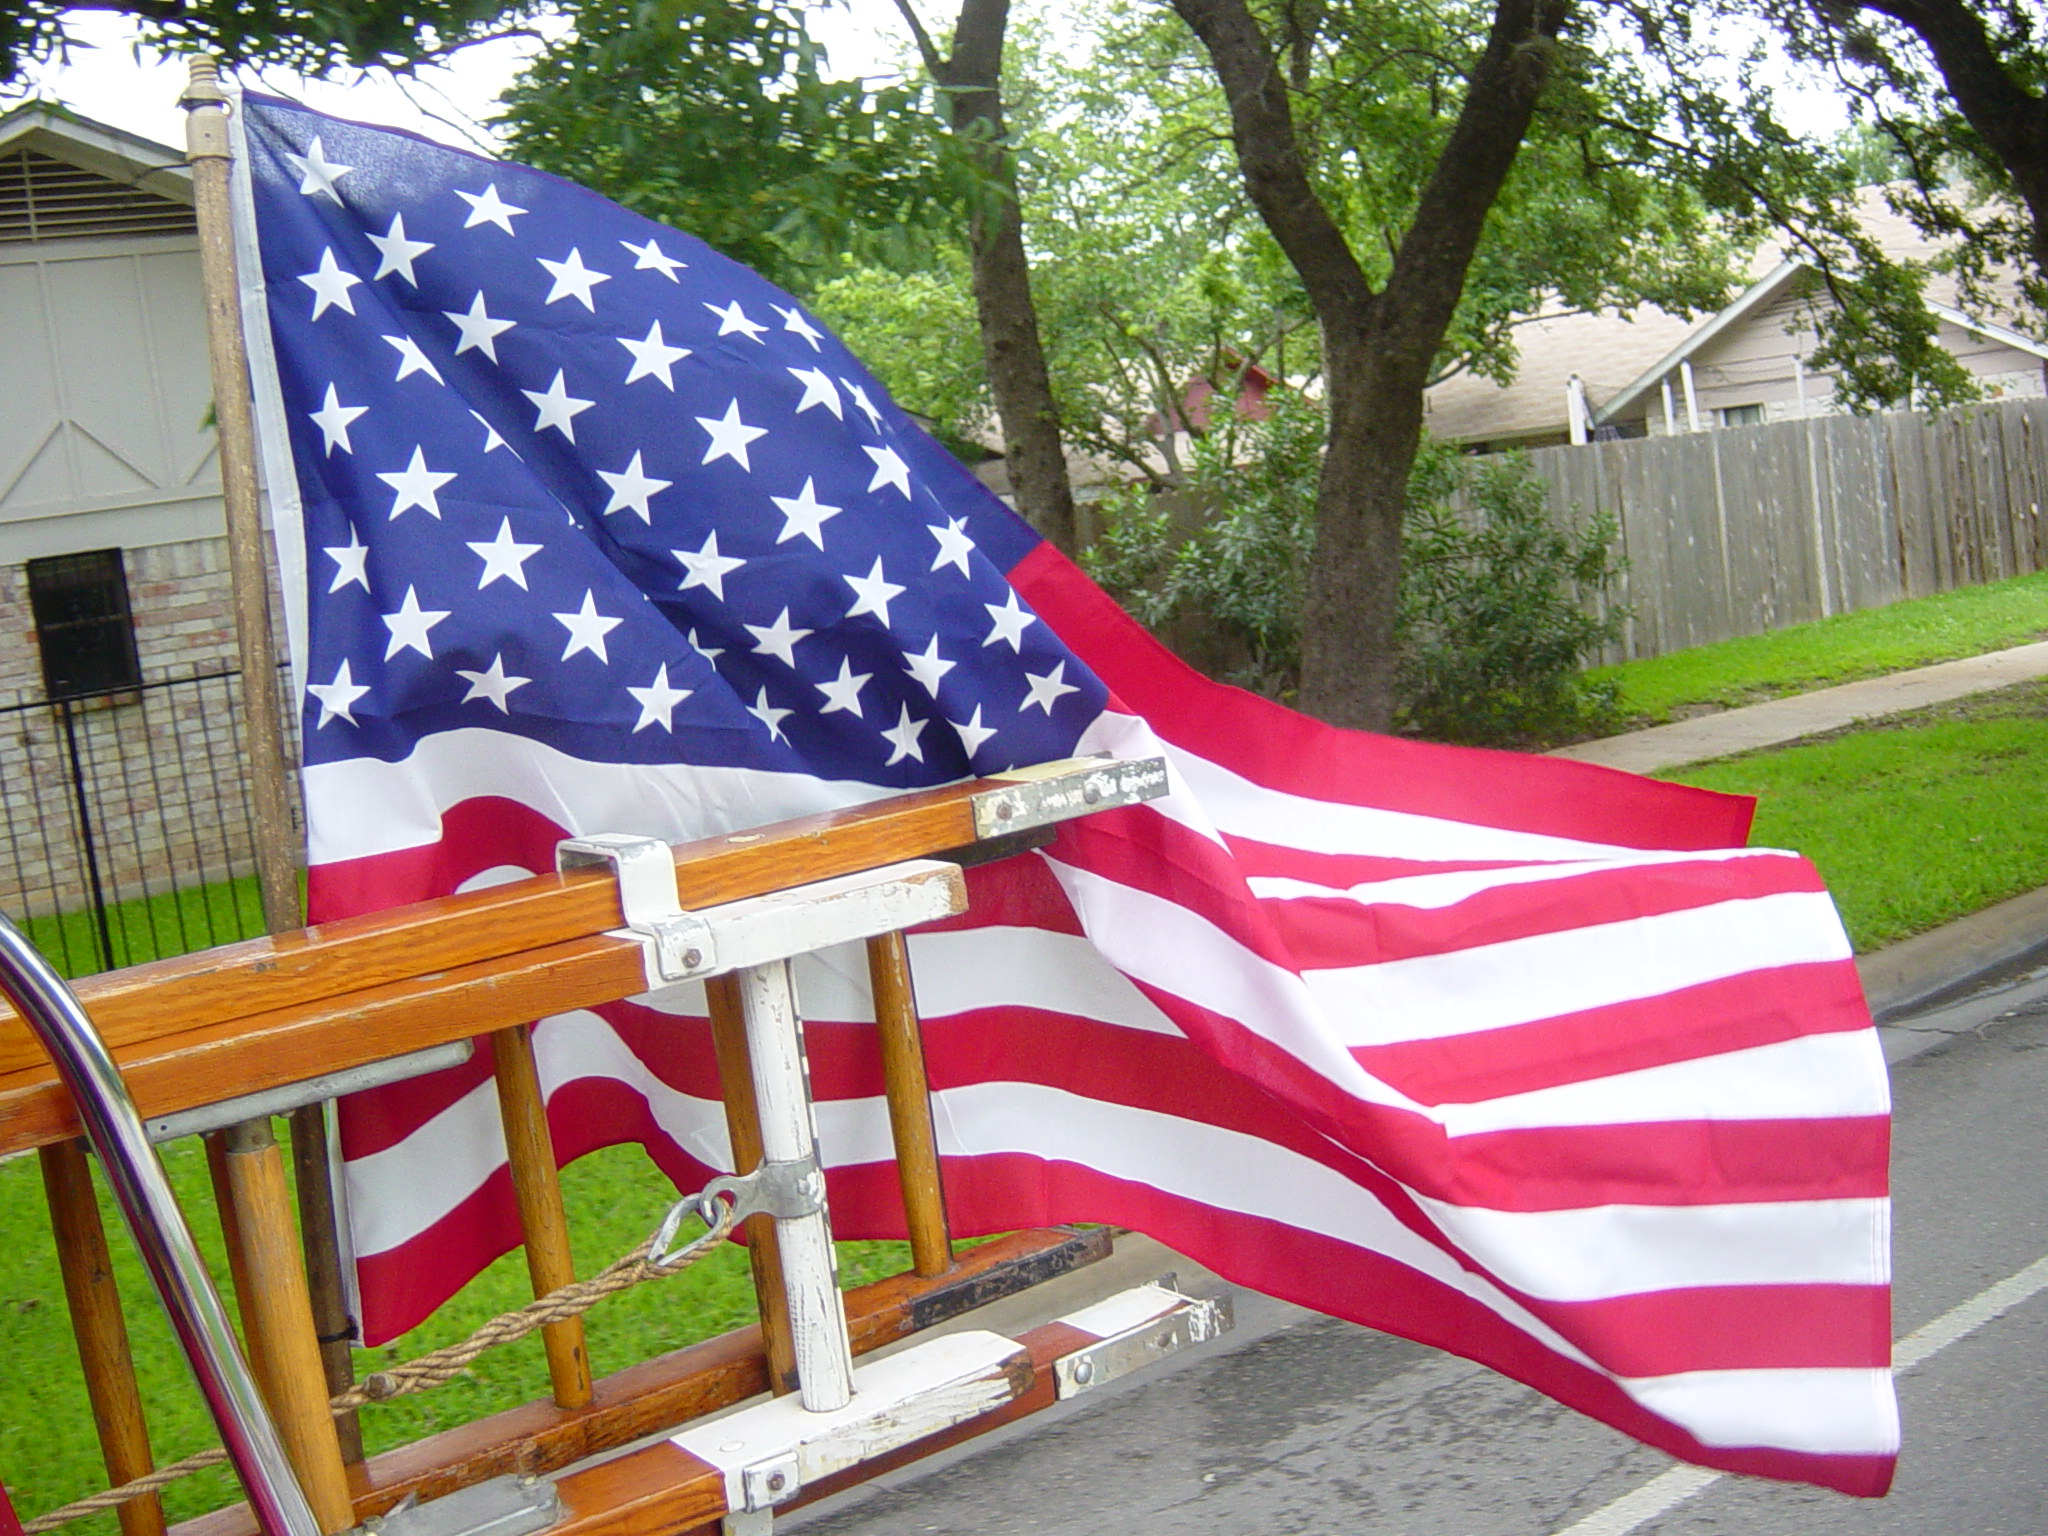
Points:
(1283, 750)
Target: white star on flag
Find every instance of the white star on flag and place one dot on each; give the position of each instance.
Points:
(395, 252)
(318, 174)
(843, 691)
(351, 563)
(491, 684)
(652, 258)
(1047, 689)
(486, 207)
(330, 285)
(902, 736)
(708, 652)
(889, 470)
(492, 442)
(793, 320)
(416, 486)
(653, 357)
(730, 436)
(412, 360)
(1010, 623)
(332, 419)
(573, 279)
(409, 626)
(803, 515)
(873, 592)
(478, 329)
(769, 715)
(927, 667)
(587, 629)
(778, 639)
(732, 318)
(556, 407)
(867, 406)
(337, 698)
(973, 733)
(954, 545)
(818, 390)
(632, 488)
(707, 567)
(658, 701)
(503, 556)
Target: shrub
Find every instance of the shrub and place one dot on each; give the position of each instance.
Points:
(1497, 615)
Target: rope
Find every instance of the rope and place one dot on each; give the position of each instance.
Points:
(439, 1366)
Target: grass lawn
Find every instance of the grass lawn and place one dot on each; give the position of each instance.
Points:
(1966, 622)
(151, 927)
(1917, 821)
(48, 1453)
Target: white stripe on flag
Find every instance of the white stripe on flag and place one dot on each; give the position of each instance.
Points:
(1546, 975)
(1242, 808)
(1620, 1250)
(1826, 1412)
(1434, 892)
(362, 806)
(1813, 1077)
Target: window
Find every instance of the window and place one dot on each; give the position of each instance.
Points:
(83, 627)
(1742, 415)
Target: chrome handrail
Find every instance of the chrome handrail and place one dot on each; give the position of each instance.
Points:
(116, 1132)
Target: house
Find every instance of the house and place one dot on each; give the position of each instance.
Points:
(121, 768)
(1651, 374)
(113, 558)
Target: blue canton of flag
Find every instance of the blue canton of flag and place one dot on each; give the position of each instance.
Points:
(570, 474)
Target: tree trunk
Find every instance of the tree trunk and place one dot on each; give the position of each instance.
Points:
(1378, 347)
(2012, 122)
(1010, 346)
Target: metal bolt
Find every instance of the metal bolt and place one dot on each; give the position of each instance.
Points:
(1005, 811)
(1084, 1372)
(1090, 793)
(692, 958)
(777, 1481)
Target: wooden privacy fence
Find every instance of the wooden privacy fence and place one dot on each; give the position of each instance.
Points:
(1742, 530)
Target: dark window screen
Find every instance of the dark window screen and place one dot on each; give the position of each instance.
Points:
(80, 603)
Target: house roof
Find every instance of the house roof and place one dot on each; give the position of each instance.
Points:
(1604, 350)
(1758, 295)
(63, 176)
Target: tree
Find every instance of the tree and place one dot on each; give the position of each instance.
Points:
(971, 77)
(720, 119)
(306, 35)
(1956, 87)
(1389, 255)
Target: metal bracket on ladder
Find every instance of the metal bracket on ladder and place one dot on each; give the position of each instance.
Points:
(678, 943)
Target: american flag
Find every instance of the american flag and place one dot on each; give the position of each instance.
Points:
(586, 528)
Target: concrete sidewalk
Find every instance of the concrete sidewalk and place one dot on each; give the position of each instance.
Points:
(1808, 714)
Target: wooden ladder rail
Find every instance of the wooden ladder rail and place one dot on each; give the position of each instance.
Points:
(539, 938)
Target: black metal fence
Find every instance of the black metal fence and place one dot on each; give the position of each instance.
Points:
(126, 827)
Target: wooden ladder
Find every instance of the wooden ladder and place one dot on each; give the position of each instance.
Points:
(299, 1017)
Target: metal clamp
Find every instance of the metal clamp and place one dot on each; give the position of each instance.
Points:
(784, 1190)
(677, 944)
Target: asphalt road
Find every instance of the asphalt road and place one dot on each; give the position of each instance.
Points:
(1298, 1423)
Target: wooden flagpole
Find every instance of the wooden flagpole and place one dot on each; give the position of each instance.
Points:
(209, 153)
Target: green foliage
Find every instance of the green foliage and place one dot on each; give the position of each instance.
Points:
(719, 119)
(312, 36)
(1498, 607)
(1496, 616)
(917, 331)
(1869, 643)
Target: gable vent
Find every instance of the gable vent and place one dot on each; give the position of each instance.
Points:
(44, 199)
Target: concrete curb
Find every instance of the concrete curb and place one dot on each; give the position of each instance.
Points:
(1930, 967)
